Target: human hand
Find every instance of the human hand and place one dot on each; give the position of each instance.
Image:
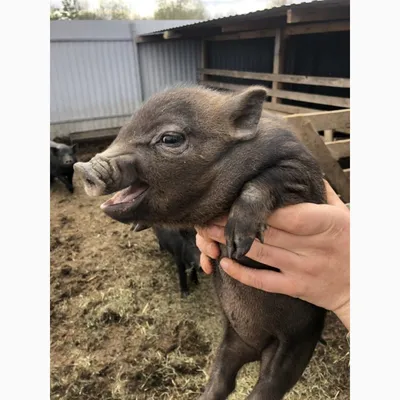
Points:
(308, 243)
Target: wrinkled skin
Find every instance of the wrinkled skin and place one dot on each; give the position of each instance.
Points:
(62, 160)
(181, 244)
(191, 155)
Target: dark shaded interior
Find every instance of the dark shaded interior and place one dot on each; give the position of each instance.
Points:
(318, 54)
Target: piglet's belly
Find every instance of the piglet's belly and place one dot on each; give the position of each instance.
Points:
(258, 316)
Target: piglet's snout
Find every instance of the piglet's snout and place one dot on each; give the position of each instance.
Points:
(93, 183)
(103, 176)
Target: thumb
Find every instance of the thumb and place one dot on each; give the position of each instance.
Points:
(269, 281)
(332, 198)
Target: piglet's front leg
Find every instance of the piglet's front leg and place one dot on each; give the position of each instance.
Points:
(275, 187)
(247, 220)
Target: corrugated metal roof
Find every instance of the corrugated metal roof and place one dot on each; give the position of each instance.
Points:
(265, 13)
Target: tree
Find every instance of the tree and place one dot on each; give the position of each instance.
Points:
(87, 15)
(108, 9)
(278, 3)
(180, 9)
(113, 9)
(118, 9)
(69, 10)
(55, 13)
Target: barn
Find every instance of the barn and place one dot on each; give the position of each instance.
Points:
(119, 327)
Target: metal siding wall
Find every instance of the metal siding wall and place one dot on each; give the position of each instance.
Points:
(93, 75)
(91, 80)
(164, 64)
(94, 71)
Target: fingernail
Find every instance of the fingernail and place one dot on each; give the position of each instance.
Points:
(224, 263)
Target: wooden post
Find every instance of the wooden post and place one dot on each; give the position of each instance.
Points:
(328, 135)
(203, 61)
(334, 174)
(279, 50)
(339, 148)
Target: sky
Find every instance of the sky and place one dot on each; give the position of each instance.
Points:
(215, 8)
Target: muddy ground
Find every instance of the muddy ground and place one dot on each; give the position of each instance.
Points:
(119, 328)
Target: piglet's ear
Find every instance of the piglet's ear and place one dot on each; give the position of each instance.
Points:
(244, 112)
(74, 148)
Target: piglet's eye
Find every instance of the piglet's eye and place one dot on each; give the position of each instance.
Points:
(172, 139)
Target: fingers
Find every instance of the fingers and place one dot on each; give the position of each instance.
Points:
(265, 253)
(205, 264)
(272, 237)
(207, 246)
(209, 249)
(212, 233)
(269, 281)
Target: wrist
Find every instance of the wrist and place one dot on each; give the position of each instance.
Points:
(343, 313)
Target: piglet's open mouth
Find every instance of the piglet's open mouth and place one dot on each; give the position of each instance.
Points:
(126, 199)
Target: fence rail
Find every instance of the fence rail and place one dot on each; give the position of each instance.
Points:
(280, 93)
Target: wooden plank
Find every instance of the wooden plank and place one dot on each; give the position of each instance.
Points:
(311, 98)
(147, 39)
(279, 49)
(314, 142)
(297, 79)
(339, 120)
(294, 16)
(285, 94)
(87, 136)
(271, 23)
(244, 35)
(320, 27)
(319, 116)
(171, 35)
(339, 148)
(288, 109)
(227, 86)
